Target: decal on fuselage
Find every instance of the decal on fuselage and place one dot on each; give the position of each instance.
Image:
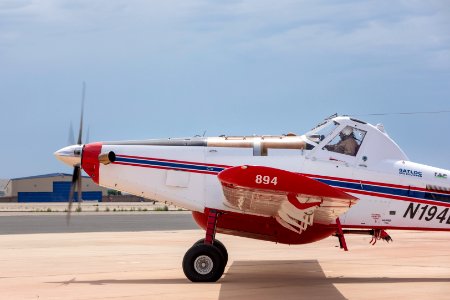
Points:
(440, 175)
(427, 212)
(409, 172)
(375, 217)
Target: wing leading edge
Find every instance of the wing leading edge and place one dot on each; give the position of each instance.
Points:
(296, 201)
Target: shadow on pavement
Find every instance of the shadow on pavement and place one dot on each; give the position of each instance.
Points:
(271, 279)
(277, 279)
(285, 279)
(124, 281)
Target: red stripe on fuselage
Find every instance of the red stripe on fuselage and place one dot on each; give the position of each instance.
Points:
(164, 168)
(404, 187)
(304, 174)
(174, 161)
(415, 200)
(313, 176)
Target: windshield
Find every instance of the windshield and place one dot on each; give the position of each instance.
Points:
(321, 132)
(347, 142)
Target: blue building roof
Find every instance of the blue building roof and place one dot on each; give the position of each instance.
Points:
(46, 176)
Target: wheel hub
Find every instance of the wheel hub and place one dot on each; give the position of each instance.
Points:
(203, 264)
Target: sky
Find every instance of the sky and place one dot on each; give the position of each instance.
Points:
(157, 69)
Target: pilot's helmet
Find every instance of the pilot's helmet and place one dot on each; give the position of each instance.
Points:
(347, 131)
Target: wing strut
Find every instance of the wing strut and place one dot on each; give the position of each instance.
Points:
(340, 235)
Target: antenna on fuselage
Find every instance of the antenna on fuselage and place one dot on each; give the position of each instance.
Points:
(331, 117)
(402, 113)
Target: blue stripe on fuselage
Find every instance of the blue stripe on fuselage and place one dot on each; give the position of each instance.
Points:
(388, 191)
(169, 164)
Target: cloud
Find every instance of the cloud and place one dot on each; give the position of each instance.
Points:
(440, 59)
(248, 28)
(14, 4)
(381, 28)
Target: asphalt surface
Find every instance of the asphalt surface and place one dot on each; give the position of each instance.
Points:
(96, 223)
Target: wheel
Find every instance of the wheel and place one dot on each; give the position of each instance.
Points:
(203, 263)
(218, 244)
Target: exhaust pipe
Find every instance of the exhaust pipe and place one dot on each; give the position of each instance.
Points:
(107, 158)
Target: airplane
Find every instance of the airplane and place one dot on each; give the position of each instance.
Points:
(345, 176)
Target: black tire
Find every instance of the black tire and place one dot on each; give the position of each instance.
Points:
(203, 263)
(218, 244)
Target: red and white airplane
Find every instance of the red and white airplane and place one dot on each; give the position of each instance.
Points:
(345, 176)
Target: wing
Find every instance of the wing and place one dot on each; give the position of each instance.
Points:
(296, 201)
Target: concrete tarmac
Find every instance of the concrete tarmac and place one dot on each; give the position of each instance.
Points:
(95, 222)
(147, 265)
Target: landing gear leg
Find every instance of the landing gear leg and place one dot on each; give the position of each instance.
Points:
(340, 235)
(205, 261)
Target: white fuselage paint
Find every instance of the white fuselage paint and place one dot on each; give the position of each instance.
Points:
(187, 177)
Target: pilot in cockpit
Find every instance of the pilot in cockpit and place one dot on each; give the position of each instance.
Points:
(347, 144)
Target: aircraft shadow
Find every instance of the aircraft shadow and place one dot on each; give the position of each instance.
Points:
(277, 279)
(271, 279)
(292, 279)
(125, 281)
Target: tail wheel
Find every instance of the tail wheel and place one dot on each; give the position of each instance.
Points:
(218, 244)
(203, 263)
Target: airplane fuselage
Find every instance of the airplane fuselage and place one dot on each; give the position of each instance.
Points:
(404, 196)
(344, 176)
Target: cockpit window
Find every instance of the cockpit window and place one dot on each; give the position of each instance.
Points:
(320, 133)
(348, 141)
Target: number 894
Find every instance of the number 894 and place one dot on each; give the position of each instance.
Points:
(260, 179)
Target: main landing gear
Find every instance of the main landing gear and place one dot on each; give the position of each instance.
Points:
(205, 261)
(377, 234)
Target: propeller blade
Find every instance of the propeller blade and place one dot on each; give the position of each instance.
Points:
(71, 140)
(80, 192)
(76, 177)
(87, 135)
(76, 172)
(80, 133)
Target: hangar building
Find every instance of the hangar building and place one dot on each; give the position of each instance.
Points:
(3, 183)
(51, 188)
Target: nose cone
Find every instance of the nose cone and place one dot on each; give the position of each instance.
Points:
(70, 155)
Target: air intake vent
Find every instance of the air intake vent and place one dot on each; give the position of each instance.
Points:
(438, 193)
(436, 188)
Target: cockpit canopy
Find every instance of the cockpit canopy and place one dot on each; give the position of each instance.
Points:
(348, 136)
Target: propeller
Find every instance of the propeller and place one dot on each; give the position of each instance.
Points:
(71, 139)
(75, 152)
